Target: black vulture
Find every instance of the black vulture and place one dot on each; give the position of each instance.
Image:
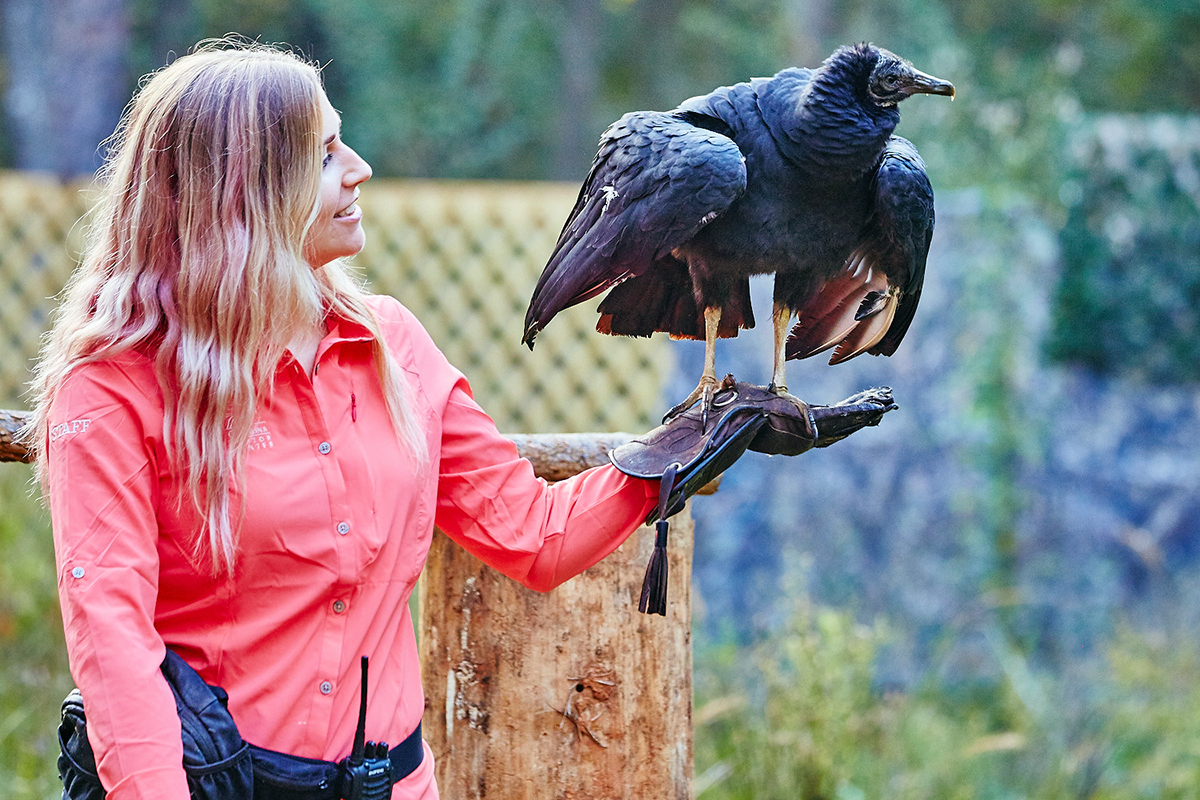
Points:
(797, 175)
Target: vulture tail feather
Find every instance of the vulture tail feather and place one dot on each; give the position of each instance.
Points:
(869, 331)
(661, 301)
(815, 334)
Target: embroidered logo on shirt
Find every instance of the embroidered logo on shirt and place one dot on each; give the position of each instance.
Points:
(68, 429)
(260, 437)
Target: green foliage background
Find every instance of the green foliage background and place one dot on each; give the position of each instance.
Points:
(33, 676)
(1129, 301)
(803, 719)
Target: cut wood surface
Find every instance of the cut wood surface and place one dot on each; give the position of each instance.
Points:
(10, 426)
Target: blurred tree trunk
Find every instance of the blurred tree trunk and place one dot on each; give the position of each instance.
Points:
(812, 25)
(579, 43)
(655, 47)
(67, 81)
(649, 54)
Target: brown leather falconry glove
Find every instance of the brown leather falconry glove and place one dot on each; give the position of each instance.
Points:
(689, 451)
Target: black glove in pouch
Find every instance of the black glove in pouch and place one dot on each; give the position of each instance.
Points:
(216, 760)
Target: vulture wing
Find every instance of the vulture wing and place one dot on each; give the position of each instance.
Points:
(656, 181)
(869, 305)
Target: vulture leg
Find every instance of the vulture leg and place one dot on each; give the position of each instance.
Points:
(708, 379)
(781, 316)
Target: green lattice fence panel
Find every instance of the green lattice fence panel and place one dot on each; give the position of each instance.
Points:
(463, 256)
(39, 244)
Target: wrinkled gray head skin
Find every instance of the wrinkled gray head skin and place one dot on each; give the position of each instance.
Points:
(893, 79)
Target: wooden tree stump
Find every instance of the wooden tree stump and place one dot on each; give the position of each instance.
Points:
(570, 694)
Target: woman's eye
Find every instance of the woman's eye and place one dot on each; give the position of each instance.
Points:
(327, 159)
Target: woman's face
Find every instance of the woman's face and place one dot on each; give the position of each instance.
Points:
(337, 231)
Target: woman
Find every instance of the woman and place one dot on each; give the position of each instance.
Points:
(245, 455)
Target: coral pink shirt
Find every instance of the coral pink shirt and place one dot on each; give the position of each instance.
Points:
(336, 529)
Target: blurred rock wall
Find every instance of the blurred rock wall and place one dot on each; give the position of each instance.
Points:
(1010, 502)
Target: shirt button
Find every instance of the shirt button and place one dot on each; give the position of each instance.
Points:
(326, 687)
(323, 448)
(343, 528)
(338, 606)
(77, 572)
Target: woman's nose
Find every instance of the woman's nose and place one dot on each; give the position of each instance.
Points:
(359, 170)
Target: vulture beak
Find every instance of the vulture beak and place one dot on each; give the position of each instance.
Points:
(927, 84)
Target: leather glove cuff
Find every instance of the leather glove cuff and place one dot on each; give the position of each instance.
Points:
(692, 449)
(700, 445)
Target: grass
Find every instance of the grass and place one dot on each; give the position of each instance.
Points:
(33, 661)
(801, 719)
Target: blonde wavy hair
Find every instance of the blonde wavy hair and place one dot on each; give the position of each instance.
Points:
(195, 253)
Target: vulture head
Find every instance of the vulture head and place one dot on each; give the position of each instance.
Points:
(893, 79)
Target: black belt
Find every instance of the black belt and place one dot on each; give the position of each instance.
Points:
(407, 755)
(366, 774)
(280, 776)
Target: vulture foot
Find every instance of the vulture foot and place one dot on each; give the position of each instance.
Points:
(781, 391)
(705, 392)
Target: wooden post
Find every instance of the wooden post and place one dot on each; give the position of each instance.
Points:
(570, 694)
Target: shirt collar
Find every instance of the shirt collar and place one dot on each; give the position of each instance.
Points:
(344, 330)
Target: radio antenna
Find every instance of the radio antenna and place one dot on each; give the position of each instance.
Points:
(357, 754)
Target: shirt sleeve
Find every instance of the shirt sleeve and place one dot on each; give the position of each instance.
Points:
(541, 534)
(102, 480)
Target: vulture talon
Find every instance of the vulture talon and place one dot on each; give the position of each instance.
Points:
(676, 410)
(809, 418)
(704, 393)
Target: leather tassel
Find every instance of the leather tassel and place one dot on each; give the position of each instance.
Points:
(654, 584)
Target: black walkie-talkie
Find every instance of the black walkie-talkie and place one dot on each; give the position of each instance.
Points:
(367, 771)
